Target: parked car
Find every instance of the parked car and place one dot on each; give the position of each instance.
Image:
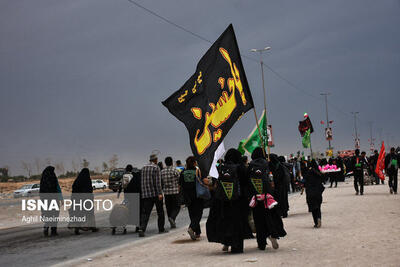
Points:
(27, 190)
(99, 184)
(115, 179)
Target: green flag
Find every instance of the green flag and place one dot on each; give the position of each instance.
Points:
(306, 139)
(241, 146)
(254, 141)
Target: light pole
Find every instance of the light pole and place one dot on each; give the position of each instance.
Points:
(371, 143)
(327, 118)
(357, 141)
(263, 85)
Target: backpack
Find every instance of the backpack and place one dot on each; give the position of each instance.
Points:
(393, 164)
(126, 178)
(258, 176)
(358, 164)
(228, 182)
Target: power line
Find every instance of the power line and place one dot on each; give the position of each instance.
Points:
(290, 83)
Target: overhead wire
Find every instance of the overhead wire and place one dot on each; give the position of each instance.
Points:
(290, 83)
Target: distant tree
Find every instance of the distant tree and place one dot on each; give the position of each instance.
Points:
(97, 170)
(85, 163)
(60, 167)
(75, 166)
(105, 167)
(38, 166)
(27, 167)
(48, 161)
(113, 162)
(4, 171)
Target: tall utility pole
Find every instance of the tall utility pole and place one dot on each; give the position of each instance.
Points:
(371, 140)
(327, 118)
(357, 140)
(265, 97)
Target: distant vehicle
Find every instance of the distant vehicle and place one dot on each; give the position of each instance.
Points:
(115, 179)
(27, 190)
(99, 184)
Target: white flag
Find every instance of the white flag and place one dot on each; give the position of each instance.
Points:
(217, 155)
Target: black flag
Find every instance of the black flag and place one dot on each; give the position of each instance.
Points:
(304, 125)
(213, 99)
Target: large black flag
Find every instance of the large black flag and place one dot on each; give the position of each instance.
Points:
(305, 125)
(213, 99)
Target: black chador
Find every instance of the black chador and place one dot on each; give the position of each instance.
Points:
(50, 190)
(82, 192)
(228, 218)
(314, 188)
(281, 177)
(267, 220)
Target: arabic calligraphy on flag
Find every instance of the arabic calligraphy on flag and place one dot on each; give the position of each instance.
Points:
(213, 99)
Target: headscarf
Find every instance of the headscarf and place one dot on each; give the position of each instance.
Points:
(234, 156)
(83, 183)
(49, 182)
(257, 153)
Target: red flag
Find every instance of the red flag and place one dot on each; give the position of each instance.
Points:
(380, 165)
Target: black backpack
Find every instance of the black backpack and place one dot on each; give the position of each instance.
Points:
(258, 176)
(228, 182)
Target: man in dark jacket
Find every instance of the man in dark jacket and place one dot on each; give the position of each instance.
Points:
(392, 161)
(357, 164)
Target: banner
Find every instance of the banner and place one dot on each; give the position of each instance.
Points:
(328, 133)
(213, 99)
(380, 165)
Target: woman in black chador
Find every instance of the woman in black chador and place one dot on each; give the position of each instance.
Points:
(49, 191)
(282, 179)
(267, 219)
(313, 183)
(82, 191)
(228, 218)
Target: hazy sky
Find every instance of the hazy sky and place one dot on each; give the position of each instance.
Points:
(85, 78)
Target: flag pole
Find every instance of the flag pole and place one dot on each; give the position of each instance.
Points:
(259, 132)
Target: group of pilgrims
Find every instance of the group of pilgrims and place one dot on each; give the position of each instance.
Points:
(246, 198)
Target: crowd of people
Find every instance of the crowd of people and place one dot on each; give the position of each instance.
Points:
(247, 197)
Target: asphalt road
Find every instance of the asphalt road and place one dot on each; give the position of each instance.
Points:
(22, 246)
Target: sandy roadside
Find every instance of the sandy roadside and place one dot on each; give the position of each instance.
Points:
(356, 231)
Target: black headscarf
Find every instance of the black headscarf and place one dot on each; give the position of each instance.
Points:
(257, 154)
(83, 183)
(48, 182)
(234, 156)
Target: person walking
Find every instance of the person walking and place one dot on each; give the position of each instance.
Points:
(266, 217)
(227, 222)
(392, 161)
(313, 183)
(187, 181)
(170, 181)
(151, 195)
(50, 190)
(82, 190)
(357, 164)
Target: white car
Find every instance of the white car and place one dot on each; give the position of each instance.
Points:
(99, 184)
(27, 190)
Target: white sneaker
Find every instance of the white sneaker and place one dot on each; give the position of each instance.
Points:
(274, 242)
